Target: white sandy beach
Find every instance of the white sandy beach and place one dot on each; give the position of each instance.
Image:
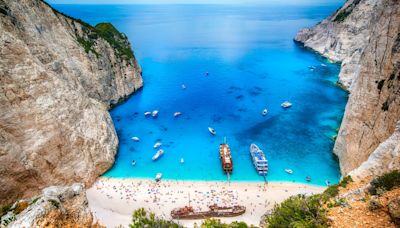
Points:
(112, 201)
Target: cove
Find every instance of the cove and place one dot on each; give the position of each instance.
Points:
(252, 64)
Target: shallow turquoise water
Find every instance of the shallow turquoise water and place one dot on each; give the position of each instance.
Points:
(252, 63)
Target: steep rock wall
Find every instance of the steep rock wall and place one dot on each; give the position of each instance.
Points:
(364, 36)
(58, 77)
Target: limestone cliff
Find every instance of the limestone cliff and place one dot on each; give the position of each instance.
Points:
(57, 206)
(364, 36)
(58, 78)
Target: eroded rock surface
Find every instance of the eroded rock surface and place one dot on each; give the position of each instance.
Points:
(364, 36)
(58, 77)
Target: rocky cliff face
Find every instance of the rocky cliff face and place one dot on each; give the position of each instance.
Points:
(57, 206)
(364, 36)
(58, 77)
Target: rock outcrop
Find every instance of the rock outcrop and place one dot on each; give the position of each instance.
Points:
(364, 35)
(58, 206)
(58, 77)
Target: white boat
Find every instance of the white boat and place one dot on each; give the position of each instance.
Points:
(212, 131)
(158, 177)
(289, 171)
(157, 155)
(154, 113)
(182, 161)
(328, 183)
(156, 145)
(133, 162)
(136, 139)
(259, 160)
(176, 114)
(324, 65)
(312, 67)
(183, 86)
(286, 104)
(264, 112)
(147, 114)
(207, 73)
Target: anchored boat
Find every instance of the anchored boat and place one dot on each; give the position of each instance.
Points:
(188, 212)
(259, 160)
(226, 157)
(158, 154)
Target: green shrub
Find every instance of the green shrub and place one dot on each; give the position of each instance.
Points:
(385, 182)
(298, 211)
(88, 46)
(342, 15)
(4, 209)
(216, 223)
(345, 181)
(141, 218)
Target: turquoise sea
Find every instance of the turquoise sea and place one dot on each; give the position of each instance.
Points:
(253, 64)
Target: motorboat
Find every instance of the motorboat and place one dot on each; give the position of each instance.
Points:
(183, 86)
(308, 178)
(176, 114)
(289, 171)
(182, 161)
(212, 131)
(259, 160)
(158, 154)
(146, 114)
(156, 145)
(136, 139)
(154, 113)
(158, 177)
(133, 163)
(264, 112)
(286, 104)
(328, 183)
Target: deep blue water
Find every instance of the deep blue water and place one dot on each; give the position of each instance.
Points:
(253, 64)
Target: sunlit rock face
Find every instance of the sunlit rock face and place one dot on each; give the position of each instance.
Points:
(364, 36)
(59, 77)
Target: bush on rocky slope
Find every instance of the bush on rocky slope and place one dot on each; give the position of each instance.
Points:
(385, 182)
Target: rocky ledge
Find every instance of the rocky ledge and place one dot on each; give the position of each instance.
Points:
(58, 77)
(57, 206)
(364, 35)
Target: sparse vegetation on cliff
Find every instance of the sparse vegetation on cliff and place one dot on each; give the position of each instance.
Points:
(385, 182)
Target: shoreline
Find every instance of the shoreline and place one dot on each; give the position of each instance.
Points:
(217, 181)
(112, 200)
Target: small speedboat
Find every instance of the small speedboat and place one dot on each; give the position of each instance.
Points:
(183, 86)
(133, 162)
(286, 104)
(158, 177)
(182, 161)
(176, 114)
(158, 154)
(328, 183)
(154, 113)
(308, 178)
(147, 114)
(136, 139)
(312, 67)
(324, 65)
(207, 73)
(264, 112)
(289, 171)
(212, 131)
(156, 145)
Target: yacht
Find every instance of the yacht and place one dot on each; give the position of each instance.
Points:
(259, 160)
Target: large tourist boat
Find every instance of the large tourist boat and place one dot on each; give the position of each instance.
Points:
(188, 212)
(259, 160)
(226, 157)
